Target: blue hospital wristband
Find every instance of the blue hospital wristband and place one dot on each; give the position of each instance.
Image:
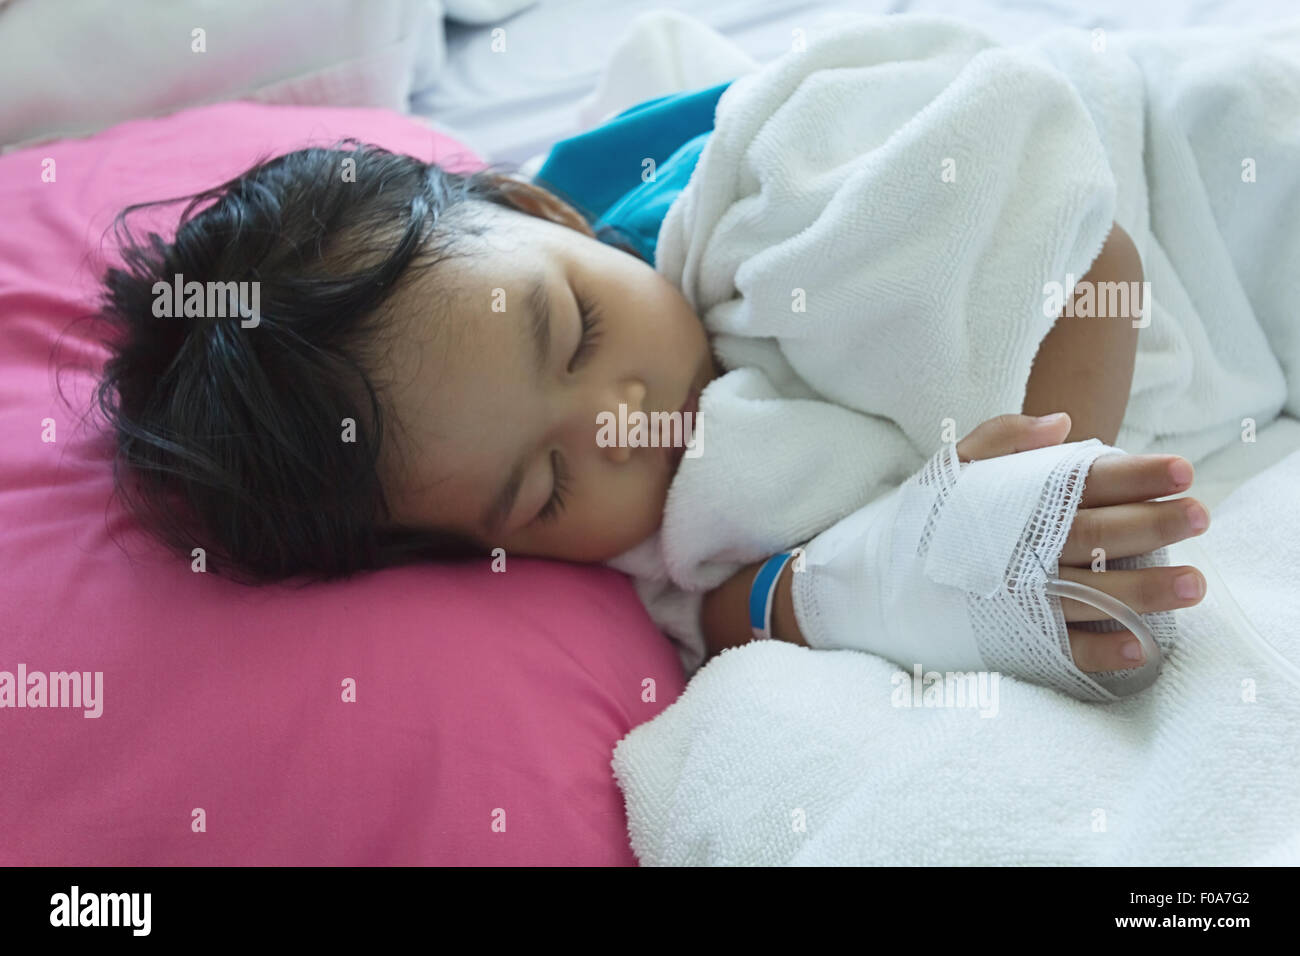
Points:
(761, 593)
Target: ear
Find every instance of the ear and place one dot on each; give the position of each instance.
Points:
(535, 201)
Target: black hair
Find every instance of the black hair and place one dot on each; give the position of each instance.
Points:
(229, 438)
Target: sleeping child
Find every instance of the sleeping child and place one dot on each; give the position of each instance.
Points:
(438, 357)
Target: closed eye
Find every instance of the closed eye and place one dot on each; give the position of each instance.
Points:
(555, 504)
(592, 327)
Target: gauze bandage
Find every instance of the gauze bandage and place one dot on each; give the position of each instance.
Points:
(951, 572)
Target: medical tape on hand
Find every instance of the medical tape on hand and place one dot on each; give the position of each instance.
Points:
(948, 570)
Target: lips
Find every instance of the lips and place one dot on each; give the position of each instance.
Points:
(688, 412)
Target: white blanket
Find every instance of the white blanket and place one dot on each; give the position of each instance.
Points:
(777, 754)
(873, 232)
(870, 236)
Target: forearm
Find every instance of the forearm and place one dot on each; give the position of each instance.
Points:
(724, 613)
(1085, 364)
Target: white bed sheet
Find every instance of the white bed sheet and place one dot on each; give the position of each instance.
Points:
(512, 105)
(1222, 472)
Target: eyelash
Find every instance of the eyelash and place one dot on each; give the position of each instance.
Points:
(591, 331)
(556, 503)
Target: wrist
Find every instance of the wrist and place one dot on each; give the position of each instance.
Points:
(785, 626)
(724, 612)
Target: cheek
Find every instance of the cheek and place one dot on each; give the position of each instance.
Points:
(687, 331)
(660, 305)
(623, 512)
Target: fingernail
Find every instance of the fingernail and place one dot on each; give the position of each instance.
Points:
(1132, 651)
(1180, 472)
(1197, 519)
(1049, 419)
(1187, 586)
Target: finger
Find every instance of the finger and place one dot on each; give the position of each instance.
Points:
(1144, 590)
(1009, 434)
(1121, 531)
(1118, 479)
(1096, 651)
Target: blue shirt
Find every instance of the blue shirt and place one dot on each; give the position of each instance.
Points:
(599, 172)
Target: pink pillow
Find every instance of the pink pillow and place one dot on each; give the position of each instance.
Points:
(487, 705)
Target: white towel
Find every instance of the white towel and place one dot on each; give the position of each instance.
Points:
(871, 230)
(777, 754)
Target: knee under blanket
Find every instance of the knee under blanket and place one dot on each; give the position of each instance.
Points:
(877, 233)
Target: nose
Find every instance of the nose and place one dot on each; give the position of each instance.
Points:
(607, 426)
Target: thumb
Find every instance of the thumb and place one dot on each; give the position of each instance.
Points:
(1010, 434)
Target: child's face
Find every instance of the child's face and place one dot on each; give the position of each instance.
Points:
(474, 406)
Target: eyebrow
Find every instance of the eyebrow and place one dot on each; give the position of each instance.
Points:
(538, 306)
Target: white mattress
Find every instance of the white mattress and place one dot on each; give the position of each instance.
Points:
(512, 105)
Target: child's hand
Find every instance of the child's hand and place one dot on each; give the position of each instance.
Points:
(1116, 515)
